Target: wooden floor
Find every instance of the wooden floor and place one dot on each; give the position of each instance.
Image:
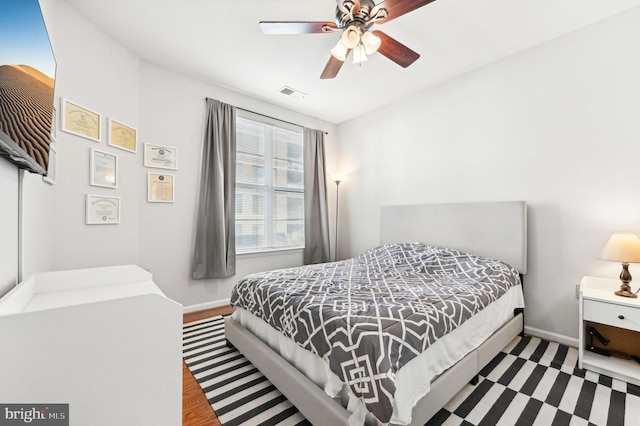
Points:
(196, 410)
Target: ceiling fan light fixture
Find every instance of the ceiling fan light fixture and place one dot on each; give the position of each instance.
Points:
(352, 20)
(371, 42)
(359, 54)
(351, 37)
(340, 51)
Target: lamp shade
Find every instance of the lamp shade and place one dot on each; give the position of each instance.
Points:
(337, 177)
(359, 54)
(340, 51)
(371, 42)
(622, 248)
(351, 37)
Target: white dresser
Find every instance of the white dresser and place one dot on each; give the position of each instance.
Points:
(599, 304)
(106, 341)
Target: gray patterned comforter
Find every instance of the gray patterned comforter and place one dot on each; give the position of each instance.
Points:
(370, 315)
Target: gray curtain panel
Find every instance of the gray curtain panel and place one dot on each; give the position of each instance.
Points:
(316, 217)
(215, 242)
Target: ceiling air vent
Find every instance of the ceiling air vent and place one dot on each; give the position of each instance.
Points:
(286, 90)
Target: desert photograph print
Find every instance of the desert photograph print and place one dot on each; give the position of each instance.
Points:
(27, 72)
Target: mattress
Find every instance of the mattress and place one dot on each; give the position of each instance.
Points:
(413, 380)
(376, 315)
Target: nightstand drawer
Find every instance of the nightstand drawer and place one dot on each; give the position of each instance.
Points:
(612, 314)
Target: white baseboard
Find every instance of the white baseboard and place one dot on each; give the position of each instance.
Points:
(554, 337)
(207, 305)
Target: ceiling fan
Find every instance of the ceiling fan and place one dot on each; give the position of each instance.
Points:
(355, 18)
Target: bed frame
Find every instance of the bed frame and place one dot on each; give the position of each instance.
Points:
(494, 229)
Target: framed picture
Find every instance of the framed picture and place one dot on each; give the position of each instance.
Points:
(52, 169)
(160, 188)
(80, 121)
(104, 169)
(123, 136)
(102, 210)
(161, 157)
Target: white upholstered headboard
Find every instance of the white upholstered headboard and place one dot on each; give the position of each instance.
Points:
(497, 230)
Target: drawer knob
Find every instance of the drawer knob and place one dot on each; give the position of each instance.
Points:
(620, 316)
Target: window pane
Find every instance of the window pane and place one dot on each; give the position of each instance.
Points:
(289, 234)
(250, 235)
(250, 137)
(249, 169)
(288, 145)
(249, 203)
(288, 205)
(250, 226)
(288, 174)
(289, 219)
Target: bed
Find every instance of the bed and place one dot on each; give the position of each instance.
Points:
(389, 379)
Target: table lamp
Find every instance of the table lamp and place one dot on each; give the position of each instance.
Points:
(623, 248)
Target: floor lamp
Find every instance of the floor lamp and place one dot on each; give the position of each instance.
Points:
(337, 178)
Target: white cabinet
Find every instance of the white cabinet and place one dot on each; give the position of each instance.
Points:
(106, 341)
(599, 304)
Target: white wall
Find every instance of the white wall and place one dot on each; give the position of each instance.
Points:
(97, 73)
(166, 108)
(173, 113)
(8, 226)
(556, 126)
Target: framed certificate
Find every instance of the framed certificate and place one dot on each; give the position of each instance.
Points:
(104, 169)
(123, 136)
(161, 157)
(102, 210)
(80, 121)
(160, 188)
(50, 178)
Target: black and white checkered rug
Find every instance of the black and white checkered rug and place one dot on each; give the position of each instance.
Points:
(536, 382)
(532, 382)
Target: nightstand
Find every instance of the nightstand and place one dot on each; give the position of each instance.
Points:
(598, 304)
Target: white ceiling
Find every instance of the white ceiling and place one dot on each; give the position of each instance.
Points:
(221, 42)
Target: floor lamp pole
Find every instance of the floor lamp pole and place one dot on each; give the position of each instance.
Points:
(335, 250)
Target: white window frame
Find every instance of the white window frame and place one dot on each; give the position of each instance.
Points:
(269, 187)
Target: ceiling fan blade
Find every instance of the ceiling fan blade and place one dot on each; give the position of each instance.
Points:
(285, 28)
(396, 8)
(333, 67)
(396, 51)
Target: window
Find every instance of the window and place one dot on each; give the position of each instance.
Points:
(269, 184)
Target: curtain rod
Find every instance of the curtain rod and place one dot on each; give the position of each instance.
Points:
(274, 118)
